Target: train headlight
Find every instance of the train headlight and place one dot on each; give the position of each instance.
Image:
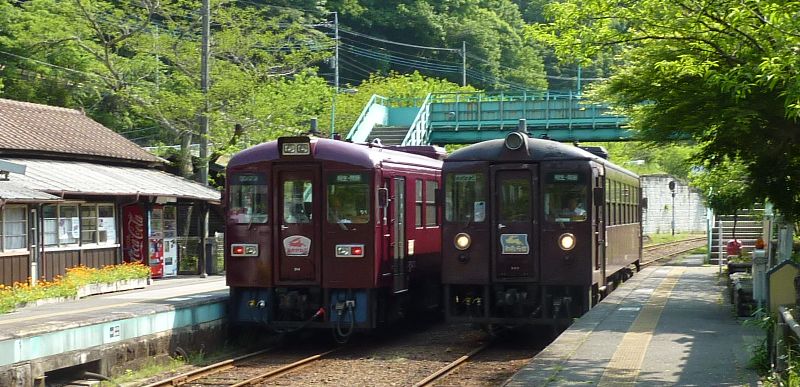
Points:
(566, 241)
(515, 140)
(462, 241)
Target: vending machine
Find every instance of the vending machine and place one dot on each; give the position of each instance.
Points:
(170, 245)
(156, 241)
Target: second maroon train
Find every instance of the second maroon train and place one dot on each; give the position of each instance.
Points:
(330, 234)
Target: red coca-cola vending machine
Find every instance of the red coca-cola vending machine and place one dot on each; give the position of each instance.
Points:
(134, 233)
(149, 237)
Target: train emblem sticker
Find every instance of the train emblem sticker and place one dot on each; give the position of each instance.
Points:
(514, 243)
(297, 246)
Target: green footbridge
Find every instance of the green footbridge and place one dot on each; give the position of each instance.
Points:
(467, 118)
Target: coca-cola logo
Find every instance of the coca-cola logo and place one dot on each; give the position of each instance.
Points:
(134, 229)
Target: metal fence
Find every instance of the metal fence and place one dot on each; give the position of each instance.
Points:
(784, 347)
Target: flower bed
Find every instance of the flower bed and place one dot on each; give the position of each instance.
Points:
(79, 282)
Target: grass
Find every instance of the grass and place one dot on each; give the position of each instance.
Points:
(174, 365)
(148, 369)
(67, 286)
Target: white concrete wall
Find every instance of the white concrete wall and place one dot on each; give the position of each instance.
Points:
(690, 211)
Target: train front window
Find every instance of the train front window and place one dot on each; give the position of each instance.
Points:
(465, 198)
(348, 198)
(565, 197)
(297, 201)
(514, 200)
(247, 199)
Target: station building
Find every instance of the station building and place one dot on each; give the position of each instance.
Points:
(73, 192)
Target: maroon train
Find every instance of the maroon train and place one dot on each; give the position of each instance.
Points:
(535, 231)
(329, 234)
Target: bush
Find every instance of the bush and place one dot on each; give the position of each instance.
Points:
(67, 286)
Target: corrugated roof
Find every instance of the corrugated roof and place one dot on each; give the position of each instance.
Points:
(96, 179)
(28, 126)
(12, 191)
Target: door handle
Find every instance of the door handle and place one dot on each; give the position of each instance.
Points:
(284, 227)
(501, 226)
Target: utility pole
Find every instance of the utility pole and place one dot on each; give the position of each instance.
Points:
(463, 63)
(204, 86)
(335, 71)
(204, 133)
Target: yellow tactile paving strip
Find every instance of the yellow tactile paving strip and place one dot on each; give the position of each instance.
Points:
(624, 367)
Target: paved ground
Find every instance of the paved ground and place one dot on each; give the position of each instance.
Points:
(668, 326)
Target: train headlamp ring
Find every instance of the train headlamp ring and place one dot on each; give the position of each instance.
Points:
(514, 140)
(462, 241)
(566, 241)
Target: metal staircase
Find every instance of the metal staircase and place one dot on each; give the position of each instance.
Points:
(388, 135)
(749, 227)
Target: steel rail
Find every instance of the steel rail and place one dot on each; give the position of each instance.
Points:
(450, 367)
(211, 369)
(674, 253)
(665, 244)
(283, 370)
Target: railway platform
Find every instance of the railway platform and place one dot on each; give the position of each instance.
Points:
(101, 333)
(669, 325)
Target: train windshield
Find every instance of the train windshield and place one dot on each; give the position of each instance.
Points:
(465, 198)
(248, 198)
(565, 197)
(348, 198)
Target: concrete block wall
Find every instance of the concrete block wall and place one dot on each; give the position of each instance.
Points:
(690, 210)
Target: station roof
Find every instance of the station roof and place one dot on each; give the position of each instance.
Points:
(56, 177)
(15, 192)
(29, 128)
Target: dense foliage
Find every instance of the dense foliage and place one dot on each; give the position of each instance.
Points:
(723, 73)
(135, 66)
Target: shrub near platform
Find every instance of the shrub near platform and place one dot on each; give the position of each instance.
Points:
(79, 282)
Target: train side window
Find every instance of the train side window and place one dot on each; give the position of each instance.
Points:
(418, 203)
(348, 198)
(430, 203)
(465, 199)
(248, 199)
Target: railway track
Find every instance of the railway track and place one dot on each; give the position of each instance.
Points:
(444, 371)
(245, 370)
(657, 252)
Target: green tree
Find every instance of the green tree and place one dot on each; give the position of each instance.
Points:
(724, 73)
(137, 64)
(500, 56)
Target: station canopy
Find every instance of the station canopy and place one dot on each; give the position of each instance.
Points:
(49, 179)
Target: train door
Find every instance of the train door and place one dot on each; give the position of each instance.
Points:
(514, 228)
(296, 212)
(599, 223)
(398, 233)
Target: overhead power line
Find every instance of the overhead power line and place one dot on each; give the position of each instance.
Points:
(347, 31)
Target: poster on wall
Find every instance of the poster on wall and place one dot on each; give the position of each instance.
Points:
(106, 227)
(133, 234)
